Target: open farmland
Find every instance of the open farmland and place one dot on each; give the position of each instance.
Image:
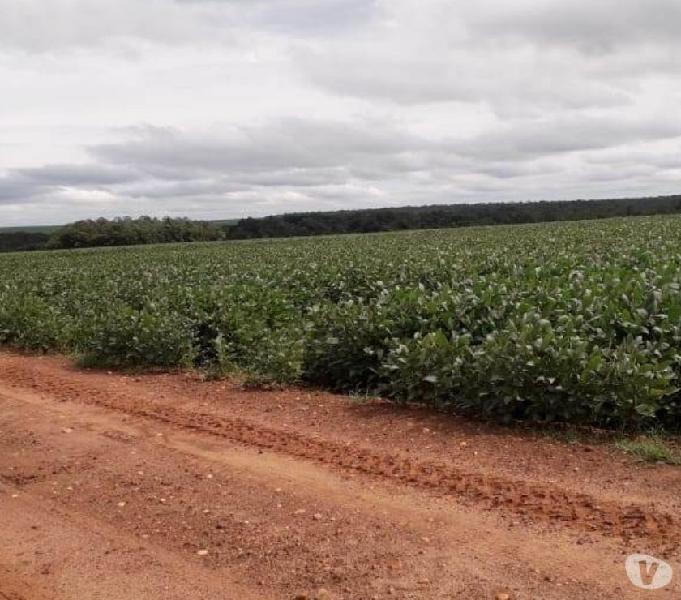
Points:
(573, 322)
(143, 479)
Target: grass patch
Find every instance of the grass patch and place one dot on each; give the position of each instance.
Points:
(568, 435)
(362, 398)
(652, 449)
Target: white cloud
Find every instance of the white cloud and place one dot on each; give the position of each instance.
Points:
(224, 108)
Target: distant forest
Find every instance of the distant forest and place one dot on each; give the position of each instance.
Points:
(17, 241)
(123, 231)
(146, 230)
(452, 215)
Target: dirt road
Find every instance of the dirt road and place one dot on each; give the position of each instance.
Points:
(166, 487)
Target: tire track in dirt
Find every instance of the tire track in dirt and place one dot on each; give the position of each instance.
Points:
(373, 540)
(14, 588)
(531, 501)
(57, 551)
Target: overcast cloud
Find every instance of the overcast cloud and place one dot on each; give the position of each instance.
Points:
(228, 108)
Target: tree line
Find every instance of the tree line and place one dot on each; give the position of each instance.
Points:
(442, 216)
(124, 231)
(19, 241)
(127, 231)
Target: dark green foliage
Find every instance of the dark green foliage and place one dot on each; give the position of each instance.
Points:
(146, 230)
(576, 322)
(130, 232)
(155, 336)
(443, 216)
(29, 321)
(20, 241)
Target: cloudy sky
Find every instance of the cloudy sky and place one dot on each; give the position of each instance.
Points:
(227, 108)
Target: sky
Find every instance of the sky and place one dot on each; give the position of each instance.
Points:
(220, 109)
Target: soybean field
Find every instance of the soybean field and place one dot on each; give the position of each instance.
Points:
(577, 322)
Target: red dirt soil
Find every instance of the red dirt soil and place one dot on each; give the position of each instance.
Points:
(164, 486)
